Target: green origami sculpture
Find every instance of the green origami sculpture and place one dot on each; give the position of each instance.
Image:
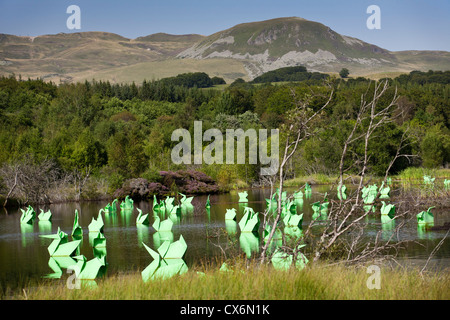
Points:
(293, 220)
(162, 226)
(388, 209)
(307, 188)
(277, 238)
(157, 207)
(127, 204)
(250, 221)
(446, 184)
(230, 214)
(186, 204)
(342, 192)
(99, 241)
(167, 262)
(45, 216)
(384, 191)
(283, 260)
(57, 264)
(243, 196)
(208, 203)
(27, 216)
(298, 195)
(427, 180)
(249, 243)
(77, 231)
(231, 227)
(88, 271)
(96, 225)
(60, 247)
(142, 219)
(111, 208)
(425, 217)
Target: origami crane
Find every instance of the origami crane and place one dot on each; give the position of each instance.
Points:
(88, 271)
(60, 247)
(250, 221)
(428, 180)
(293, 220)
(163, 226)
(96, 225)
(230, 214)
(141, 219)
(341, 192)
(249, 242)
(243, 196)
(167, 262)
(27, 215)
(384, 191)
(208, 203)
(388, 209)
(45, 216)
(77, 231)
(99, 241)
(425, 217)
(446, 184)
(111, 208)
(283, 260)
(298, 195)
(307, 188)
(127, 204)
(156, 206)
(57, 264)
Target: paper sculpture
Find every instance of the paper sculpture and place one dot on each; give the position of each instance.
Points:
(45, 216)
(163, 226)
(127, 204)
(231, 227)
(428, 180)
(384, 191)
(307, 188)
(96, 225)
(277, 238)
(388, 209)
(88, 271)
(283, 260)
(249, 242)
(111, 208)
(167, 262)
(157, 207)
(250, 221)
(230, 214)
(446, 184)
(425, 217)
(298, 195)
(57, 264)
(99, 241)
(141, 218)
(342, 192)
(243, 196)
(293, 220)
(77, 231)
(208, 203)
(60, 246)
(27, 216)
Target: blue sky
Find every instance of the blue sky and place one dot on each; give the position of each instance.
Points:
(405, 24)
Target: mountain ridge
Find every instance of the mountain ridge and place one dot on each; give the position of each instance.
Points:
(247, 49)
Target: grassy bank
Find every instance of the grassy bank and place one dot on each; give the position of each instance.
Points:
(254, 283)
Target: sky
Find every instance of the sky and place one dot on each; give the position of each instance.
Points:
(404, 24)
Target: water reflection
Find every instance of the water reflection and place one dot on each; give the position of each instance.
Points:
(249, 242)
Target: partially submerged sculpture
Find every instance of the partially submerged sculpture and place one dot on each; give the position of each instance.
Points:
(384, 191)
(388, 209)
(342, 192)
(167, 262)
(142, 218)
(96, 225)
(243, 196)
(45, 215)
(283, 260)
(250, 221)
(425, 217)
(60, 246)
(230, 214)
(77, 231)
(88, 271)
(27, 216)
(163, 226)
(127, 204)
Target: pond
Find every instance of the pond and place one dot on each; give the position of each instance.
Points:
(24, 254)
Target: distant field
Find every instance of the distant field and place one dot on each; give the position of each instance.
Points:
(229, 69)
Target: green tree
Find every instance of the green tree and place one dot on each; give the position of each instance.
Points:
(344, 73)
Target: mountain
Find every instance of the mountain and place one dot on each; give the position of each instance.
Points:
(246, 50)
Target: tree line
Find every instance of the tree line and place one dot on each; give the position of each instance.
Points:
(99, 134)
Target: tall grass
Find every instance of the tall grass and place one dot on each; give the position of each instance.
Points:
(255, 282)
